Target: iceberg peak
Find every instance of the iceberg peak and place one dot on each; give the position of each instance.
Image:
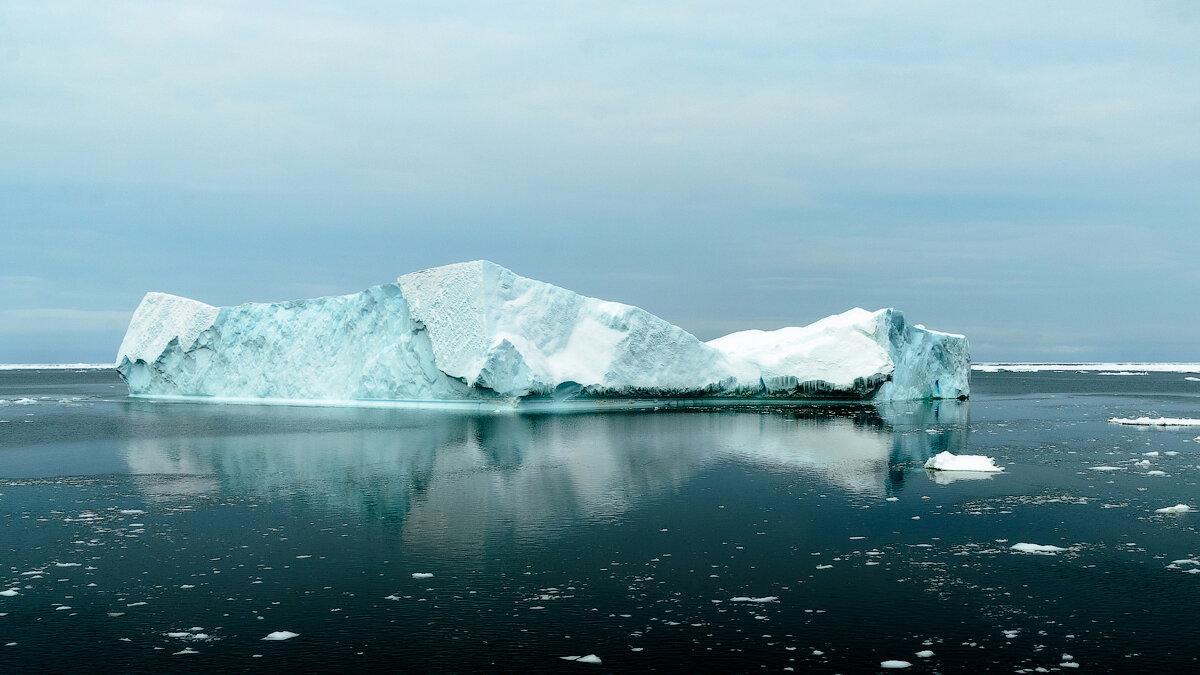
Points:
(477, 332)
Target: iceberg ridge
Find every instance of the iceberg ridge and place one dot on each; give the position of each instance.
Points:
(478, 332)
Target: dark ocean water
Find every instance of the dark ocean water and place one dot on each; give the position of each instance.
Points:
(144, 536)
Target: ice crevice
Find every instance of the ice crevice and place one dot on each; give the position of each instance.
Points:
(477, 332)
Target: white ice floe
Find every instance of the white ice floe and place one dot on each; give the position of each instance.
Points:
(948, 461)
(590, 658)
(1156, 472)
(894, 663)
(1156, 421)
(1123, 372)
(281, 635)
(9, 593)
(422, 575)
(743, 598)
(1178, 508)
(1107, 468)
(1041, 549)
(924, 654)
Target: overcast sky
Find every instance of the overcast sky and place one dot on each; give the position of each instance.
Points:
(1024, 173)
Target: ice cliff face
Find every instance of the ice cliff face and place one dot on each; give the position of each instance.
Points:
(477, 331)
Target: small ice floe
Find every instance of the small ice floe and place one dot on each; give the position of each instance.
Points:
(924, 654)
(1040, 549)
(894, 663)
(62, 564)
(1156, 421)
(131, 512)
(590, 658)
(9, 593)
(281, 635)
(1178, 508)
(422, 575)
(1156, 472)
(186, 650)
(1152, 453)
(948, 461)
(824, 567)
(1106, 468)
(765, 598)
(1123, 372)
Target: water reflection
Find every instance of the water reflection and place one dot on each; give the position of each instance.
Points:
(464, 473)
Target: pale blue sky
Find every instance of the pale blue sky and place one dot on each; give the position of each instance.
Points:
(1024, 173)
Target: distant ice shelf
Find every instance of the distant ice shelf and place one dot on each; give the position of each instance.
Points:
(477, 334)
(1110, 368)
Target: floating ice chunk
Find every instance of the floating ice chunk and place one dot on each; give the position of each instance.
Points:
(894, 664)
(9, 593)
(1069, 664)
(948, 461)
(1156, 473)
(1107, 468)
(1178, 508)
(1153, 453)
(186, 650)
(422, 575)
(924, 654)
(281, 635)
(131, 512)
(766, 598)
(1156, 421)
(590, 658)
(62, 564)
(1042, 549)
(824, 567)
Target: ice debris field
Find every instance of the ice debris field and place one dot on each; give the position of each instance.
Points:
(476, 333)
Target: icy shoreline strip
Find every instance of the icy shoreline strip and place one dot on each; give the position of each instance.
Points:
(56, 366)
(1002, 367)
(1155, 421)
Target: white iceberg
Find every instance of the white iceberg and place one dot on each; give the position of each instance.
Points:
(948, 461)
(476, 332)
(1178, 508)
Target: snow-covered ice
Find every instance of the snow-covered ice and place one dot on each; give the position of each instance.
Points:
(590, 658)
(477, 332)
(1041, 549)
(948, 461)
(1156, 421)
(894, 663)
(1178, 508)
(281, 635)
(422, 575)
(8, 593)
(742, 598)
(924, 654)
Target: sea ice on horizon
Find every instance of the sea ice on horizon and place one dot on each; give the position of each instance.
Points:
(1156, 421)
(477, 332)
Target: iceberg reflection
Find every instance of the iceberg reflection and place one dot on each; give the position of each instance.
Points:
(462, 474)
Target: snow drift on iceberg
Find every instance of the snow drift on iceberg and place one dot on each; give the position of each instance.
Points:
(478, 332)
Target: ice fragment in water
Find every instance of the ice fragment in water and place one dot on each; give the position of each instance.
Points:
(948, 461)
(1178, 508)
(422, 575)
(895, 664)
(1042, 549)
(281, 635)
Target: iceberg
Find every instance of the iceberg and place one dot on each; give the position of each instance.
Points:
(476, 333)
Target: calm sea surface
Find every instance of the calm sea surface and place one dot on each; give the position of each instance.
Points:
(140, 536)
